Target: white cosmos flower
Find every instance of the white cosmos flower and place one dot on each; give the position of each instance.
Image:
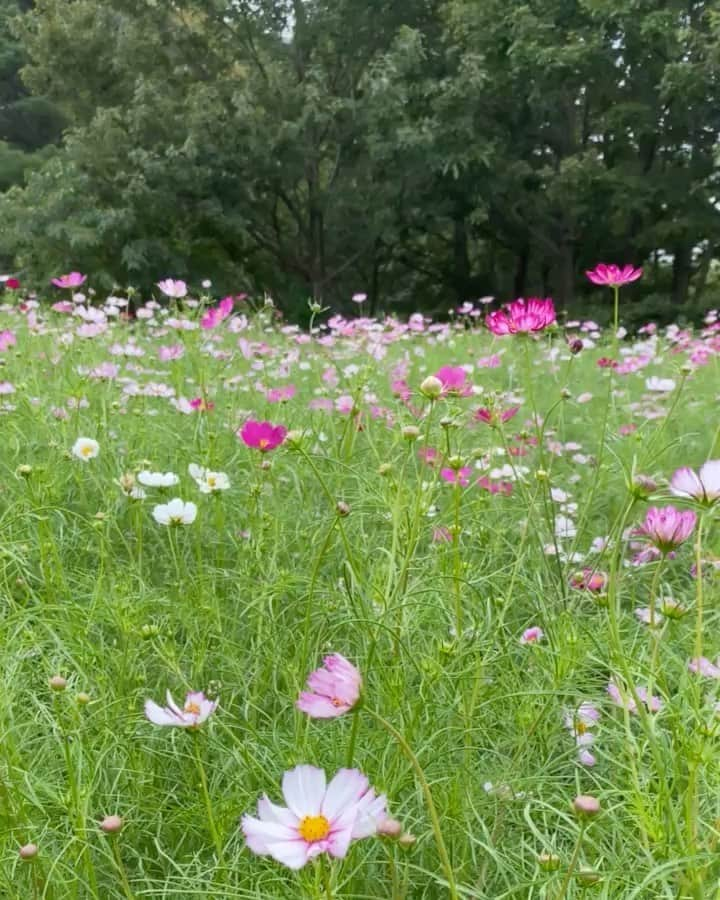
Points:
(158, 479)
(176, 512)
(208, 482)
(85, 448)
(659, 385)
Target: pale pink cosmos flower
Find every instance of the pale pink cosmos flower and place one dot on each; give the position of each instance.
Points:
(580, 723)
(651, 702)
(71, 280)
(666, 527)
(703, 486)
(167, 353)
(196, 710)
(701, 665)
(7, 340)
(173, 288)
(281, 394)
(532, 635)
(359, 298)
(522, 316)
(612, 275)
(262, 436)
(319, 818)
(334, 689)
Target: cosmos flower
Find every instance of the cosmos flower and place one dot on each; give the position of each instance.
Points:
(334, 689)
(522, 316)
(172, 288)
(197, 709)
(666, 527)
(85, 449)
(703, 486)
(209, 482)
(262, 436)
(176, 512)
(319, 817)
(157, 479)
(612, 275)
(71, 280)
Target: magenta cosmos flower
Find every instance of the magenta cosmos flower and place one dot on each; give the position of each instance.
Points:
(666, 527)
(522, 316)
(703, 486)
(215, 315)
(71, 280)
(334, 689)
(494, 417)
(319, 818)
(612, 275)
(454, 380)
(262, 436)
(196, 710)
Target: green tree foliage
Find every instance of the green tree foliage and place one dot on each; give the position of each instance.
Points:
(425, 152)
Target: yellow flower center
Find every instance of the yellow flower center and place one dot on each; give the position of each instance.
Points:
(212, 481)
(314, 828)
(193, 708)
(580, 728)
(263, 443)
(86, 450)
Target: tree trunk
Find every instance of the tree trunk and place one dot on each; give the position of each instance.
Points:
(521, 271)
(682, 270)
(461, 259)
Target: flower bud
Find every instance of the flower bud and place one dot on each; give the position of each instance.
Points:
(342, 508)
(411, 432)
(431, 387)
(24, 471)
(82, 698)
(455, 462)
(575, 346)
(565, 394)
(57, 683)
(687, 369)
(587, 875)
(407, 840)
(390, 828)
(295, 437)
(384, 469)
(643, 485)
(541, 475)
(111, 825)
(548, 861)
(28, 852)
(585, 806)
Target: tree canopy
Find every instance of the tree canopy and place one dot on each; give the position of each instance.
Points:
(425, 152)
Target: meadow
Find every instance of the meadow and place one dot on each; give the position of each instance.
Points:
(489, 538)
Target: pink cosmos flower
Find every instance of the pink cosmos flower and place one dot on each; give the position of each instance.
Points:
(72, 280)
(12, 284)
(262, 436)
(196, 710)
(493, 416)
(495, 487)
(174, 351)
(522, 316)
(172, 288)
(319, 818)
(7, 340)
(702, 666)
(612, 275)
(457, 476)
(653, 703)
(580, 723)
(532, 635)
(589, 580)
(201, 404)
(666, 527)
(703, 486)
(334, 689)
(215, 315)
(454, 380)
(281, 394)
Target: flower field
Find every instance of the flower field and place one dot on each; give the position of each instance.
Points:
(374, 609)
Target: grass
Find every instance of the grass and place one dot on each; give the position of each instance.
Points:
(273, 574)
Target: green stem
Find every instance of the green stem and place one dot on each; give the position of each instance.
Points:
(429, 802)
(573, 864)
(326, 878)
(353, 739)
(121, 870)
(698, 590)
(206, 797)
